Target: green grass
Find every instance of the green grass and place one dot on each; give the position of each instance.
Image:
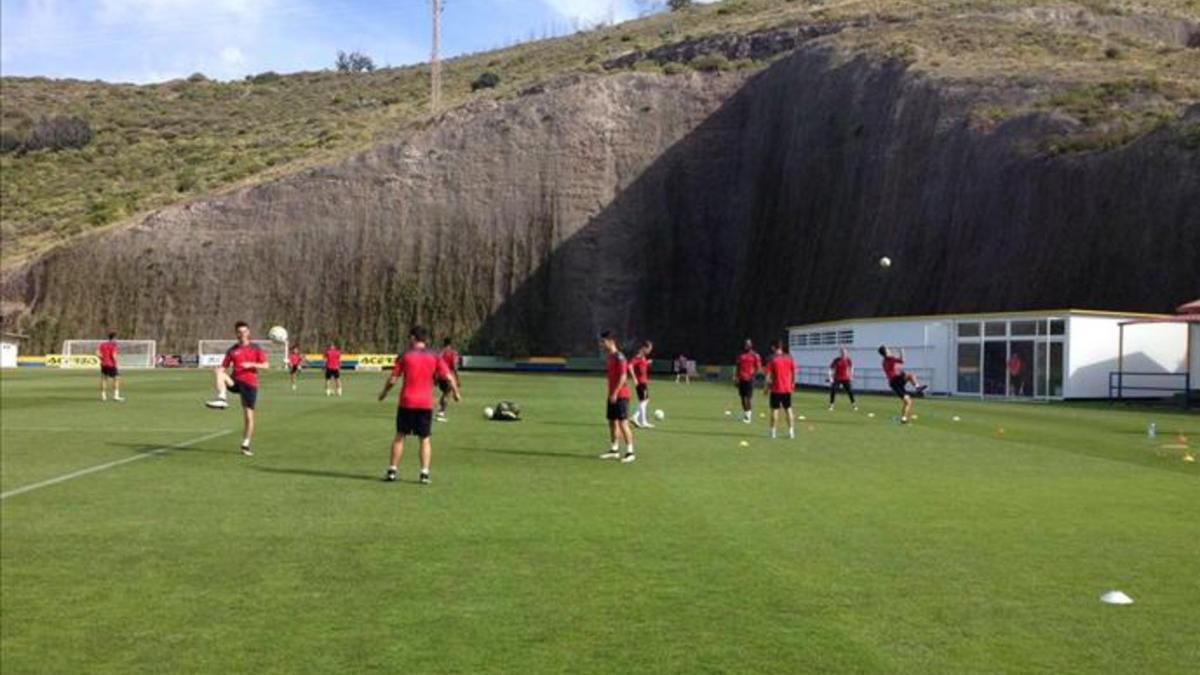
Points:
(862, 546)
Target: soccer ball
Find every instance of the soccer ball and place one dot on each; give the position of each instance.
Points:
(488, 412)
(659, 415)
(277, 334)
(885, 262)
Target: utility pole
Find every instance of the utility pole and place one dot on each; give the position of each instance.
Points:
(435, 63)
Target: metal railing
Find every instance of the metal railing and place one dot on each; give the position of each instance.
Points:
(1118, 385)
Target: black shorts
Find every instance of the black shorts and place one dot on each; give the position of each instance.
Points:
(897, 384)
(444, 386)
(109, 371)
(643, 392)
(249, 394)
(413, 422)
(293, 369)
(745, 388)
(333, 373)
(780, 401)
(618, 411)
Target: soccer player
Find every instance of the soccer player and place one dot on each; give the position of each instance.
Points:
(617, 374)
(748, 365)
(245, 359)
(682, 370)
(841, 372)
(639, 369)
(898, 379)
(107, 351)
(414, 416)
(781, 382)
(333, 369)
(295, 362)
(450, 358)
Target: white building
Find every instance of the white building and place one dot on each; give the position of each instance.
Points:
(9, 349)
(1054, 354)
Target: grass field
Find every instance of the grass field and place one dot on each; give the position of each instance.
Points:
(862, 546)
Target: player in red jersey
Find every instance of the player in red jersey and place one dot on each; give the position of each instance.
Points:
(748, 365)
(419, 367)
(333, 370)
(245, 359)
(639, 370)
(295, 362)
(616, 370)
(450, 358)
(107, 351)
(841, 372)
(898, 379)
(781, 382)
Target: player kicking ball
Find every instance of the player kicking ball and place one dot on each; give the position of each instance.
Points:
(295, 362)
(450, 358)
(244, 359)
(107, 351)
(639, 369)
(617, 374)
(333, 370)
(418, 367)
(899, 380)
(781, 382)
(748, 364)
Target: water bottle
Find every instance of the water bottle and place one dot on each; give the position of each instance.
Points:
(1152, 430)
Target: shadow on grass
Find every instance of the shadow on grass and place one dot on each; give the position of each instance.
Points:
(528, 453)
(319, 473)
(166, 448)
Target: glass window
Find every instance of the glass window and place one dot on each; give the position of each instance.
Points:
(968, 367)
(995, 368)
(1023, 327)
(1058, 327)
(1039, 368)
(1056, 369)
(992, 328)
(1020, 368)
(968, 329)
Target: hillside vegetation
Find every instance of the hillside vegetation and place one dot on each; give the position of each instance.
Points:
(1118, 68)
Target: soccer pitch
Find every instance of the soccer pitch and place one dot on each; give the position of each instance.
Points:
(861, 546)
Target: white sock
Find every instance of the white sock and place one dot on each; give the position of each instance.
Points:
(391, 467)
(772, 432)
(629, 449)
(116, 393)
(245, 442)
(104, 396)
(615, 447)
(221, 395)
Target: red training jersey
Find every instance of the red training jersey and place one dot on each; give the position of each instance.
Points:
(241, 357)
(841, 369)
(782, 370)
(294, 359)
(450, 358)
(418, 367)
(891, 366)
(614, 368)
(333, 359)
(640, 366)
(748, 363)
(108, 354)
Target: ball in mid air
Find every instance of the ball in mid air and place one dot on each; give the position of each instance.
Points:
(659, 414)
(885, 262)
(278, 334)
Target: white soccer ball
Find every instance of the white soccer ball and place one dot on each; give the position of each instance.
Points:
(659, 414)
(277, 334)
(488, 412)
(885, 262)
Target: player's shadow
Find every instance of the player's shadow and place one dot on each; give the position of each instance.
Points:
(166, 449)
(317, 473)
(527, 453)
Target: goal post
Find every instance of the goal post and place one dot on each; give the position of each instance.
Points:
(130, 353)
(212, 352)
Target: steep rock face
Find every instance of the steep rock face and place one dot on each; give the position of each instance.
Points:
(695, 210)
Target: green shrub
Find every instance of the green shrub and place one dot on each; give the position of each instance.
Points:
(486, 80)
(58, 133)
(672, 68)
(710, 63)
(264, 77)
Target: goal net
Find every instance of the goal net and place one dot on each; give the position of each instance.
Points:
(212, 352)
(130, 354)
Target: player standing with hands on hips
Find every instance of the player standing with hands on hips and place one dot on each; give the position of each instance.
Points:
(245, 359)
(616, 371)
(418, 367)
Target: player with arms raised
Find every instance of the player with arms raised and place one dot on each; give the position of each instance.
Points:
(450, 358)
(333, 370)
(617, 375)
(748, 365)
(107, 351)
(244, 359)
(898, 380)
(781, 382)
(639, 369)
(414, 416)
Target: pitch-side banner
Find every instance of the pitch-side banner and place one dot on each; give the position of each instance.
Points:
(371, 361)
(72, 361)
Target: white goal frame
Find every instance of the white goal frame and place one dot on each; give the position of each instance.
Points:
(210, 353)
(131, 354)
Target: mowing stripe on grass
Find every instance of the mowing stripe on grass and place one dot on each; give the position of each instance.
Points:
(108, 465)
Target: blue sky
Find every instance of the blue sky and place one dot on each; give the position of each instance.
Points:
(155, 40)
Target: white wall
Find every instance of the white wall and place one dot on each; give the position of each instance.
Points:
(8, 355)
(1092, 355)
(1195, 369)
(926, 344)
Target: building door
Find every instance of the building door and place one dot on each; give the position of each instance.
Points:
(995, 368)
(1021, 371)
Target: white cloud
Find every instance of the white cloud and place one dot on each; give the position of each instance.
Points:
(592, 11)
(232, 56)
